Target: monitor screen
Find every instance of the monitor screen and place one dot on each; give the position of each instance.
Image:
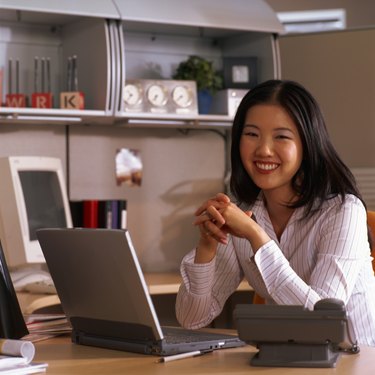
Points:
(33, 195)
(43, 201)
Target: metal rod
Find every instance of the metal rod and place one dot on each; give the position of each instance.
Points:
(17, 76)
(43, 62)
(10, 63)
(48, 74)
(69, 74)
(75, 73)
(36, 60)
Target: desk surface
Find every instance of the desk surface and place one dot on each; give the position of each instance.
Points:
(64, 357)
(158, 284)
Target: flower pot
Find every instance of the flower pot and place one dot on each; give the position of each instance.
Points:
(204, 101)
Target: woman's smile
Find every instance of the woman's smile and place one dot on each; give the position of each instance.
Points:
(266, 167)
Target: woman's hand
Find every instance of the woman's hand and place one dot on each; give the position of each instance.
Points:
(210, 220)
(219, 216)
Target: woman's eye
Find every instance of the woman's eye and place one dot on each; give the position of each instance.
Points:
(250, 134)
(282, 136)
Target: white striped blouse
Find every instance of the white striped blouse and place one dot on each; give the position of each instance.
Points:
(323, 256)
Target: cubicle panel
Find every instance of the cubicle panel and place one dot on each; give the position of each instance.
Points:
(338, 67)
(33, 140)
(180, 171)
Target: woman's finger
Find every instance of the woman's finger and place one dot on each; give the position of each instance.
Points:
(211, 214)
(213, 231)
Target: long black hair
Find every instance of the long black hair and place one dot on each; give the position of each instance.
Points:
(322, 174)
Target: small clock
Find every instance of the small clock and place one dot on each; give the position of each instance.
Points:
(182, 96)
(157, 95)
(133, 96)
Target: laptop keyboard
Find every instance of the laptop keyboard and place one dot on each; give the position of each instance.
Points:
(175, 335)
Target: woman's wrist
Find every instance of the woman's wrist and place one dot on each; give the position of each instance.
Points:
(257, 238)
(205, 251)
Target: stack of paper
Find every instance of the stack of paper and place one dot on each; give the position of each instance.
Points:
(44, 326)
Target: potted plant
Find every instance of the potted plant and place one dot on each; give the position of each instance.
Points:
(208, 80)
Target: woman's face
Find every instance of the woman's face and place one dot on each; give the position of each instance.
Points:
(271, 148)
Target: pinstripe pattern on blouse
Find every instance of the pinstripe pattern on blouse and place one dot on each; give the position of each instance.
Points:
(326, 255)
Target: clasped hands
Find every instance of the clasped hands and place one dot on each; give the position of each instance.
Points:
(219, 216)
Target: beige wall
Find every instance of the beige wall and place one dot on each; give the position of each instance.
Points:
(181, 169)
(338, 68)
(358, 12)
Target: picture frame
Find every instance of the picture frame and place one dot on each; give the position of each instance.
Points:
(240, 72)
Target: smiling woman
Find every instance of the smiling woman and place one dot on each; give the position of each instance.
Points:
(309, 240)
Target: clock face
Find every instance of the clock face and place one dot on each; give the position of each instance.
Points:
(182, 96)
(132, 94)
(157, 95)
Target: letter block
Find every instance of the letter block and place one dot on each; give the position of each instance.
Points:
(15, 100)
(41, 100)
(72, 100)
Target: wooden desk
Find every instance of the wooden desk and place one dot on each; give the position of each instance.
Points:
(158, 284)
(169, 283)
(64, 357)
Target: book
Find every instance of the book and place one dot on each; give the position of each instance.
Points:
(45, 326)
(90, 213)
(16, 357)
(111, 213)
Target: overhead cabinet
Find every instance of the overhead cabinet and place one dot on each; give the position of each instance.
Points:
(39, 40)
(157, 38)
(118, 40)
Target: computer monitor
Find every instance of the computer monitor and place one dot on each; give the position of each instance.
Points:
(32, 196)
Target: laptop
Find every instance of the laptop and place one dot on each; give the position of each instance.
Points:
(104, 295)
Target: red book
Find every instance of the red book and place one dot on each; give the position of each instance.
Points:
(90, 214)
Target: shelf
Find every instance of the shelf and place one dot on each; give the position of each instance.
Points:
(50, 116)
(174, 120)
(71, 117)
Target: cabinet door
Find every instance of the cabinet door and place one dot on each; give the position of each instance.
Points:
(254, 15)
(92, 8)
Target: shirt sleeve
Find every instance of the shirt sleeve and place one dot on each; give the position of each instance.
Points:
(341, 248)
(206, 286)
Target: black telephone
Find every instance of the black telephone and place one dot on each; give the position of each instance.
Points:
(293, 336)
(12, 323)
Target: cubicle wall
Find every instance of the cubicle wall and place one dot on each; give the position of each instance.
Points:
(180, 170)
(338, 68)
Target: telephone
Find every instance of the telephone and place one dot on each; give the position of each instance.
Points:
(293, 336)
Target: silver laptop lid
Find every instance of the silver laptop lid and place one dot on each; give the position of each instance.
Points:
(97, 275)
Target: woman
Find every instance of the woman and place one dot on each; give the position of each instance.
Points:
(297, 230)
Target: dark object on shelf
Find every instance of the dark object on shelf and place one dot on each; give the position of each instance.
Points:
(293, 336)
(12, 324)
(240, 72)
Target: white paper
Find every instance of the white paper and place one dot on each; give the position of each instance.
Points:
(15, 351)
